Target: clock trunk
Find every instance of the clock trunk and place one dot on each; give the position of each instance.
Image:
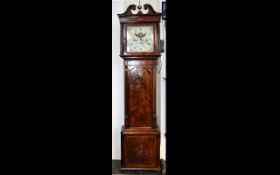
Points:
(140, 88)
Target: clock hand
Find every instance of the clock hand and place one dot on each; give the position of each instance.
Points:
(140, 35)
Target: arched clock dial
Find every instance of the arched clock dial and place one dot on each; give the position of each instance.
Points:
(140, 38)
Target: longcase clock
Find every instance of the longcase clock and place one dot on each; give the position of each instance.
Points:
(140, 135)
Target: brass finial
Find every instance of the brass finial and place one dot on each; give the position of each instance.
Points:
(139, 6)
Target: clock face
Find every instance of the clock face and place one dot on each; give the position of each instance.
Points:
(140, 38)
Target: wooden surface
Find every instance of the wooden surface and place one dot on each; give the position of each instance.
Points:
(140, 88)
(140, 149)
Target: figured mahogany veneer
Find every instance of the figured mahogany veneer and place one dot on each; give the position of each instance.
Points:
(140, 88)
(140, 149)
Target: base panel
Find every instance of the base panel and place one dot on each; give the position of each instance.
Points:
(140, 149)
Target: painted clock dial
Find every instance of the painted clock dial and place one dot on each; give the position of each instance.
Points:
(140, 38)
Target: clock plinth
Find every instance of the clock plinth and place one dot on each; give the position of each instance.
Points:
(140, 149)
(140, 135)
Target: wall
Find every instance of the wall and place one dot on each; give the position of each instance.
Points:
(117, 81)
(119, 6)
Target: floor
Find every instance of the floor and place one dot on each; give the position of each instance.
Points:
(116, 164)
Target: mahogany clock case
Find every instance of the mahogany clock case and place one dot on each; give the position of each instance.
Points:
(140, 135)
